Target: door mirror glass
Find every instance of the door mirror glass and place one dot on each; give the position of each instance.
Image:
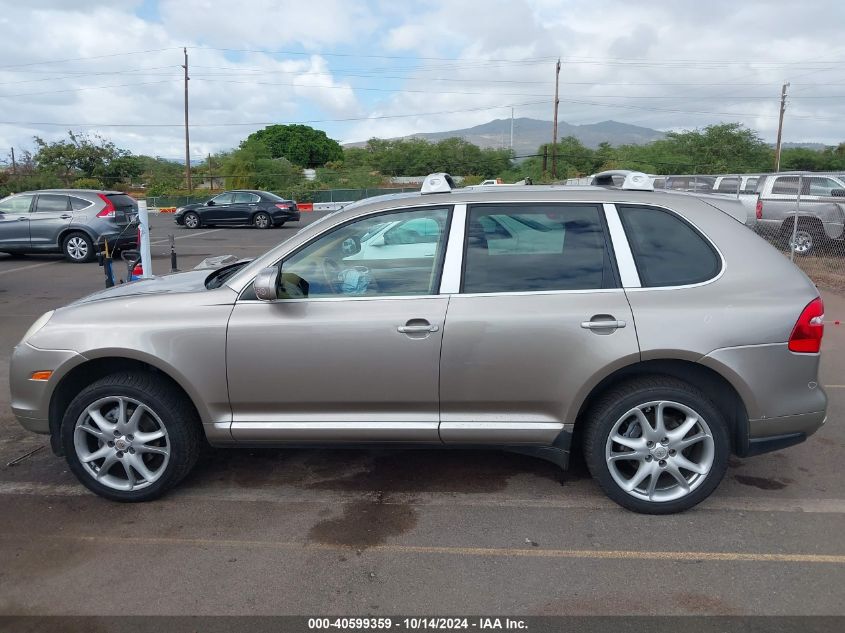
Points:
(266, 284)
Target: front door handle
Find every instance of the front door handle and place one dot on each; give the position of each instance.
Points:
(22, 219)
(65, 216)
(417, 329)
(603, 325)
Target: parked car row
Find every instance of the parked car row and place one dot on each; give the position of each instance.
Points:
(799, 210)
(81, 222)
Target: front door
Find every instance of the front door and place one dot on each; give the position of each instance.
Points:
(50, 216)
(540, 315)
(217, 209)
(352, 350)
(14, 222)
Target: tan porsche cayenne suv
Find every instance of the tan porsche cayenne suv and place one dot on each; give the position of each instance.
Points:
(651, 330)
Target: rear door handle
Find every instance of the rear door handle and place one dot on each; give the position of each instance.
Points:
(65, 217)
(22, 219)
(603, 325)
(417, 329)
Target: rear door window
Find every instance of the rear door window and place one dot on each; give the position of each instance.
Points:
(667, 250)
(245, 198)
(519, 248)
(51, 203)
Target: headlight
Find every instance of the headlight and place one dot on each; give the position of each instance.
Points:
(180, 209)
(39, 323)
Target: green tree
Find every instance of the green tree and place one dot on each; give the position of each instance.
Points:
(300, 144)
(84, 156)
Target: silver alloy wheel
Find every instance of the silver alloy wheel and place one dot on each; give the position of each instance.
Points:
(802, 243)
(121, 443)
(77, 247)
(262, 221)
(192, 221)
(660, 451)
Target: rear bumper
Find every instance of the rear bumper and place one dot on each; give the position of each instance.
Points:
(773, 434)
(286, 216)
(117, 240)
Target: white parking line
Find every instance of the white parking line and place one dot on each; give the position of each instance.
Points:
(183, 237)
(19, 268)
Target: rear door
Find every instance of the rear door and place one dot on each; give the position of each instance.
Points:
(14, 222)
(51, 214)
(534, 325)
(243, 206)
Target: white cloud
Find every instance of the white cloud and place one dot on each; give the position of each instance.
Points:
(663, 65)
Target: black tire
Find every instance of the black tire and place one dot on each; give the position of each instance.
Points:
(809, 236)
(174, 410)
(192, 220)
(262, 220)
(614, 404)
(78, 248)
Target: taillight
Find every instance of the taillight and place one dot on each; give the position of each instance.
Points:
(283, 205)
(806, 337)
(109, 210)
(759, 209)
(138, 271)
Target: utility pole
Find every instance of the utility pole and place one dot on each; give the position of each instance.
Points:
(14, 165)
(511, 128)
(780, 125)
(554, 125)
(187, 137)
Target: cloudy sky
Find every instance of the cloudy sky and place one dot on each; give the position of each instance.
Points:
(384, 68)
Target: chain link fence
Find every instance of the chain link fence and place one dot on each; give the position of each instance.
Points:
(318, 195)
(803, 215)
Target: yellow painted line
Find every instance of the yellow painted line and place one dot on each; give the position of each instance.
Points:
(533, 552)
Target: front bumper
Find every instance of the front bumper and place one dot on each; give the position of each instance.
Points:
(31, 398)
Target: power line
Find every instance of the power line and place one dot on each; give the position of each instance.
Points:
(265, 123)
(79, 59)
(50, 92)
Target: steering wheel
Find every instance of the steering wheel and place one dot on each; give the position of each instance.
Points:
(331, 271)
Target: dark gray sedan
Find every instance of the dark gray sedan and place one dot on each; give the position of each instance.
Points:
(260, 209)
(75, 222)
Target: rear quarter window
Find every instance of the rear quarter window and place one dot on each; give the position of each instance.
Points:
(667, 250)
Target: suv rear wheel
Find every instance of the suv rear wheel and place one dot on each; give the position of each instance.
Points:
(656, 445)
(130, 436)
(78, 248)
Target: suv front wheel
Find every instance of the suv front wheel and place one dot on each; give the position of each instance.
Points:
(656, 445)
(130, 436)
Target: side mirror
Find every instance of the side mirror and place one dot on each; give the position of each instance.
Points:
(350, 246)
(210, 203)
(266, 284)
(837, 193)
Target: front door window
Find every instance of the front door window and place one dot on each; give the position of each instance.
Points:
(384, 255)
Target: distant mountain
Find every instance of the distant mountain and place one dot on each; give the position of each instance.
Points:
(813, 146)
(529, 134)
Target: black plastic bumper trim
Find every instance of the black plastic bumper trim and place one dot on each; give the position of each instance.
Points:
(760, 445)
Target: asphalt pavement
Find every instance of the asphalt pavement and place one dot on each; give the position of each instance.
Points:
(309, 532)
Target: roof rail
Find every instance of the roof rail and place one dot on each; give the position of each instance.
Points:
(437, 183)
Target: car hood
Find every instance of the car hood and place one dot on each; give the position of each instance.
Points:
(190, 281)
